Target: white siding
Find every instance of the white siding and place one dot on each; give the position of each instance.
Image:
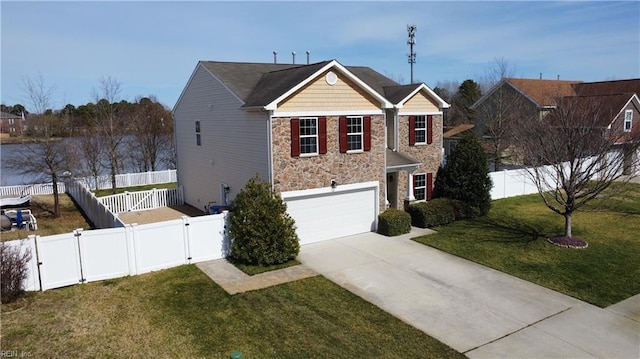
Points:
(234, 142)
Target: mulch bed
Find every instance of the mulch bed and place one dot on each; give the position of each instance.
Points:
(568, 242)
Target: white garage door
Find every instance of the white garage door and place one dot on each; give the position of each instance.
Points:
(327, 213)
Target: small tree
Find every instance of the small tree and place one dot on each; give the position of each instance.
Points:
(465, 176)
(13, 271)
(576, 153)
(262, 231)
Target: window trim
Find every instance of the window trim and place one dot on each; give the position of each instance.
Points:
(629, 121)
(361, 133)
(415, 188)
(421, 129)
(198, 134)
(316, 136)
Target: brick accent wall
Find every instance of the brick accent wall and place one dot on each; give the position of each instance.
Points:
(299, 173)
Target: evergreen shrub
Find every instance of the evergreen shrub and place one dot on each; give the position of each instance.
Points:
(262, 231)
(394, 222)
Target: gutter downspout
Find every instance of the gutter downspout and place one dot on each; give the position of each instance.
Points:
(270, 147)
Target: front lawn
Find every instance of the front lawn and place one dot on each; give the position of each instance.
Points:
(181, 313)
(512, 239)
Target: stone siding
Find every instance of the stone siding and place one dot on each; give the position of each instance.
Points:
(299, 173)
(429, 154)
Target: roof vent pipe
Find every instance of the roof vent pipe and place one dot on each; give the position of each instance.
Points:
(293, 53)
(558, 77)
(541, 76)
(275, 57)
(308, 57)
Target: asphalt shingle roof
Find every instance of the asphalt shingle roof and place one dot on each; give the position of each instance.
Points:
(544, 92)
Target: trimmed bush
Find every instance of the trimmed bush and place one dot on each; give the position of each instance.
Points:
(262, 231)
(463, 210)
(13, 271)
(394, 222)
(437, 212)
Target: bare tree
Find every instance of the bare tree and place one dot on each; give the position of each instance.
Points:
(498, 116)
(498, 70)
(110, 124)
(47, 158)
(153, 137)
(576, 153)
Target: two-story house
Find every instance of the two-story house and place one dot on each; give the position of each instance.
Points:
(339, 143)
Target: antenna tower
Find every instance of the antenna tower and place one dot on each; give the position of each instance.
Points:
(411, 29)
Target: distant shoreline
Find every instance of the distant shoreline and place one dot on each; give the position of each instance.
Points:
(5, 139)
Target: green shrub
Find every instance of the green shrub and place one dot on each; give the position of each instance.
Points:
(13, 271)
(393, 222)
(465, 177)
(262, 231)
(437, 212)
(464, 210)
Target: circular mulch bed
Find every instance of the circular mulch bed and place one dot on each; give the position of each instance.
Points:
(568, 242)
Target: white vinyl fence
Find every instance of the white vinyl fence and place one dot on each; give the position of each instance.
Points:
(102, 182)
(87, 256)
(511, 183)
(100, 215)
(143, 200)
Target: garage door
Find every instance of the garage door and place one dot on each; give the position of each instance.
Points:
(327, 213)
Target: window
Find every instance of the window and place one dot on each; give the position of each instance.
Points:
(198, 138)
(308, 136)
(421, 129)
(420, 186)
(354, 134)
(628, 120)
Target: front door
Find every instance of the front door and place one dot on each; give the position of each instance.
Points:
(392, 189)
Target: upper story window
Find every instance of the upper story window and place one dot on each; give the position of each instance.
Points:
(198, 137)
(421, 129)
(354, 133)
(308, 136)
(628, 120)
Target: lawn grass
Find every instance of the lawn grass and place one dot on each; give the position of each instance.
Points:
(42, 208)
(180, 312)
(512, 238)
(109, 192)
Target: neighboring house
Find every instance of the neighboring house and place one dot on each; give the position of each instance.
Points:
(339, 143)
(513, 100)
(452, 136)
(11, 124)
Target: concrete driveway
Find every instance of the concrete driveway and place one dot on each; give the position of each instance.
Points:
(476, 310)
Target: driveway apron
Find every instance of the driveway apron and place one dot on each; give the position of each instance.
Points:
(476, 310)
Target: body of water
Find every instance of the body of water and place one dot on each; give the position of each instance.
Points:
(10, 177)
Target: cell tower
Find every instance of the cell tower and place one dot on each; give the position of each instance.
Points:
(411, 29)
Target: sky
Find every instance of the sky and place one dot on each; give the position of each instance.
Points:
(151, 48)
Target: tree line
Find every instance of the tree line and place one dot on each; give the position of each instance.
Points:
(108, 134)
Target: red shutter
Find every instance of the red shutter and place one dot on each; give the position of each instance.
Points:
(343, 134)
(322, 135)
(367, 133)
(412, 130)
(429, 128)
(429, 186)
(295, 137)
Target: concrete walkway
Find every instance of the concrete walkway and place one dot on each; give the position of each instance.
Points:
(233, 280)
(476, 310)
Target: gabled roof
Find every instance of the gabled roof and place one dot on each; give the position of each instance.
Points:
(608, 87)
(8, 115)
(543, 93)
(261, 85)
(458, 130)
